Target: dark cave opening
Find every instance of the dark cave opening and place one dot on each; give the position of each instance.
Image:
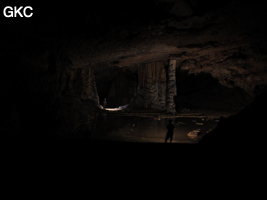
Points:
(202, 92)
(103, 88)
(118, 86)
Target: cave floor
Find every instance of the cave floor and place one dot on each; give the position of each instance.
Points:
(150, 127)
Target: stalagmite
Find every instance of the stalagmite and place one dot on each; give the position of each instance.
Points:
(171, 86)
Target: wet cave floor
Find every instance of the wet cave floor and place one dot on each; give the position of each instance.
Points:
(150, 127)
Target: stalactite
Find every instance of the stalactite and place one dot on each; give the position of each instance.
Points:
(152, 85)
(150, 72)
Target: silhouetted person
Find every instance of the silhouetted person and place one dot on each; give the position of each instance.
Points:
(169, 134)
(105, 103)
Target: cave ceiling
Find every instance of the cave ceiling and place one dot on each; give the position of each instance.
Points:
(226, 38)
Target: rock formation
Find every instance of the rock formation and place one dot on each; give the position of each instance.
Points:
(151, 92)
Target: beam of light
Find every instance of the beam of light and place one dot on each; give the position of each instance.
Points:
(117, 109)
(113, 109)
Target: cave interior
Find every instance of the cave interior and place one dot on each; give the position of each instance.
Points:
(202, 63)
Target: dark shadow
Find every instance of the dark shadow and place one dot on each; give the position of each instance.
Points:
(246, 128)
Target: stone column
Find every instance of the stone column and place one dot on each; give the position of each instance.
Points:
(171, 87)
(151, 91)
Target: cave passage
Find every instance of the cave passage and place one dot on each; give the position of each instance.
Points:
(200, 102)
(117, 87)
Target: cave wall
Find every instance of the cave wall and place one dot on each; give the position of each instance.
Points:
(81, 83)
(46, 96)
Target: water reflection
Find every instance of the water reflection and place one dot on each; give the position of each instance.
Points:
(151, 129)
